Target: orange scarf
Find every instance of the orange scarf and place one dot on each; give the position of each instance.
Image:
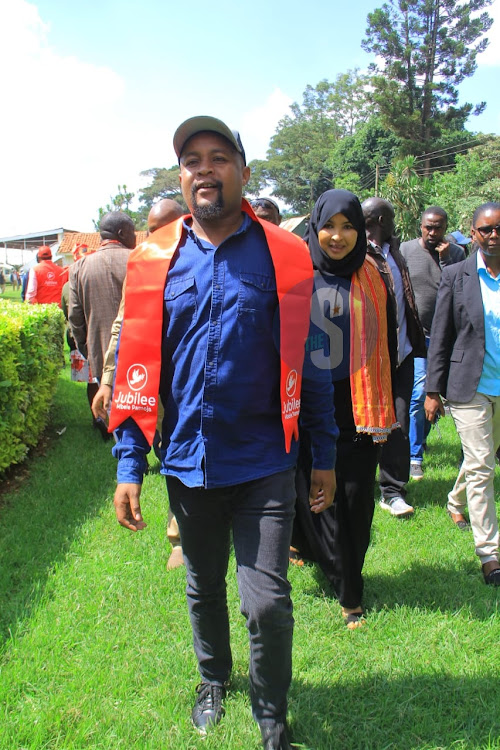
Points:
(139, 360)
(370, 369)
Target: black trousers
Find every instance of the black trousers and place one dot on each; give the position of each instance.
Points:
(338, 538)
(260, 515)
(394, 464)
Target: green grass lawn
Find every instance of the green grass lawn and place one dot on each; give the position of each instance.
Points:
(96, 645)
(10, 294)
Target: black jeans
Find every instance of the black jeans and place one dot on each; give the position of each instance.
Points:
(394, 463)
(260, 513)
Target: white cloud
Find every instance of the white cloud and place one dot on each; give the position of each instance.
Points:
(491, 56)
(258, 125)
(63, 140)
(70, 131)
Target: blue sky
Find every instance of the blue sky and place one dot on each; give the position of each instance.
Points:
(95, 90)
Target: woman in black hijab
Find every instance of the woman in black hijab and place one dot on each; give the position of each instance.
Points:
(350, 313)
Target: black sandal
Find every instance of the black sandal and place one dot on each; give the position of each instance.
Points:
(355, 620)
(294, 557)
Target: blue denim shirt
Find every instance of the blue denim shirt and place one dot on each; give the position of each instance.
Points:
(220, 381)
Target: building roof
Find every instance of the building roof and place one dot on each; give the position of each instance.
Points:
(91, 239)
(296, 225)
(33, 240)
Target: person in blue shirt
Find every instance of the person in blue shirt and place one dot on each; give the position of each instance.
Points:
(223, 449)
(464, 367)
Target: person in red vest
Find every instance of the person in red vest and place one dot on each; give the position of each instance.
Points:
(218, 304)
(45, 280)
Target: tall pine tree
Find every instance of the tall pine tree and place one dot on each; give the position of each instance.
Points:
(427, 48)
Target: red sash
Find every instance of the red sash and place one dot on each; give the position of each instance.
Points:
(139, 361)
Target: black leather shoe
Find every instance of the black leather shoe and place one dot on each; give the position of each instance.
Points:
(208, 709)
(274, 736)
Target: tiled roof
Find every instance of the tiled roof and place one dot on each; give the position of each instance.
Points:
(91, 239)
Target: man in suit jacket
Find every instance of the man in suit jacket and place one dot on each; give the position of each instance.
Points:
(464, 367)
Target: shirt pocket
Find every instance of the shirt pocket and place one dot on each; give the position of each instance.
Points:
(257, 293)
(180, 302)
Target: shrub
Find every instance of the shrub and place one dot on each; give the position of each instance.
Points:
(31, 355)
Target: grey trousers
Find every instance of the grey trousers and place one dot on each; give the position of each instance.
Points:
(260, 514)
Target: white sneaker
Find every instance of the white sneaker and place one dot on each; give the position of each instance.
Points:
(416, 471)
(397, 507)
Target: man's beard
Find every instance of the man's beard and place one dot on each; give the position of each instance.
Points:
(432, 244)
(209, 211)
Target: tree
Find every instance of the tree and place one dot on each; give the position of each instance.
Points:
(258, 178)
(409, 194)
(428, 48)
(165, 184)
(354, 159)
(121, 202)
(475, 180)
(297, 160)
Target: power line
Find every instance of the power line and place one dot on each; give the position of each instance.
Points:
(468, 144)
(445, 168)
(368, 179)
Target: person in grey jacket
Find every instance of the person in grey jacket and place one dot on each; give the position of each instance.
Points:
(426, 257)
(464, 367)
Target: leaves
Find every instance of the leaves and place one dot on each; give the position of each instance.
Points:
(31, 355)
(298, 160)
(408, 193)
(427, 48)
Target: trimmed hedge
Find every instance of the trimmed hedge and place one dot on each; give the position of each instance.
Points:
(31, 355)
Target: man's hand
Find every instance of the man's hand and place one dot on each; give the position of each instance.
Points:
(433, 406)
(102, 402)
(443, 249)
(127, 506)
(322, 492)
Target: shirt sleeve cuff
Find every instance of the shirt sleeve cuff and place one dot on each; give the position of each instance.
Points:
(324, 456)
(130, 471)
(107, 378)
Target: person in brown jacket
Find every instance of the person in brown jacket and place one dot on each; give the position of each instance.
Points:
(95, 290)
(161, 213)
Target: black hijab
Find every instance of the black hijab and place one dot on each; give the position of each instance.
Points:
(330, 203)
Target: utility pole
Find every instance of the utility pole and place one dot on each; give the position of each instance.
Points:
(377, 174)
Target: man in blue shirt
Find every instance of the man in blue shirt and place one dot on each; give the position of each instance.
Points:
(464, 366)
(223, 449)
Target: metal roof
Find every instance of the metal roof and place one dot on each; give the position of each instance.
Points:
(34, 239)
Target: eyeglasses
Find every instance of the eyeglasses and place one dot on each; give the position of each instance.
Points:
(485, 232)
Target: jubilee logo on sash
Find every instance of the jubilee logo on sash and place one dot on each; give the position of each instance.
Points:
(133, 399)
(291, 407)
